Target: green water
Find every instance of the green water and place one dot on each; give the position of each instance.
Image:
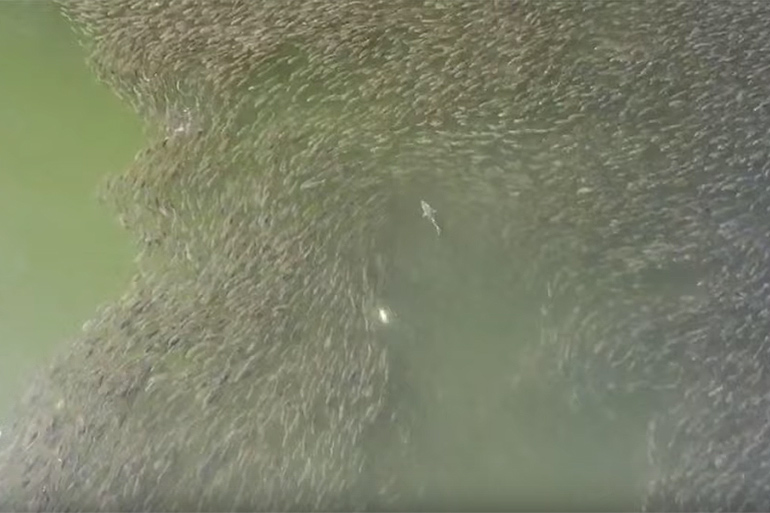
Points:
(62, 253)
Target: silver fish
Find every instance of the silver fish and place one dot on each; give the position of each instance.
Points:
(430, 213)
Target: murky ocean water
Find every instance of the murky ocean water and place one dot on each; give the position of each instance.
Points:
(61, 253)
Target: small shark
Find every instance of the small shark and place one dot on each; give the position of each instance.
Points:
(430, 213)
